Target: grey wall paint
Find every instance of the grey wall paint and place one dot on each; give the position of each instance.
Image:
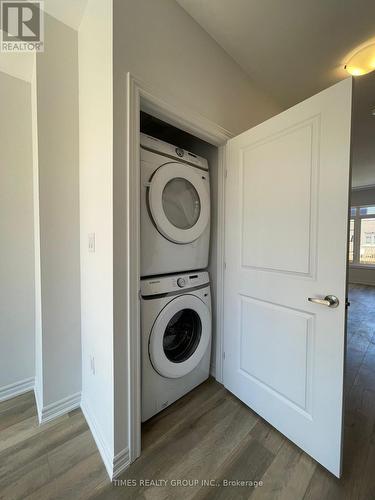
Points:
(95, 155)
(16, 230)
(158, 42)
(362, 197)
(363, 131)
(57, 108)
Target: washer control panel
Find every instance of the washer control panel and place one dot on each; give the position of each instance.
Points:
(166, 284)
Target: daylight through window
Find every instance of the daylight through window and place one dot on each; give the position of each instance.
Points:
(362, 235)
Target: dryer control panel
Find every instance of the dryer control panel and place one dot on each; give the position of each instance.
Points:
(166, 284)
(159, 146)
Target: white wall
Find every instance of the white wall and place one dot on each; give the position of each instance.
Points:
(17, 242)
(57, 116)
(361, 275)
(95, 128)
(158, 42)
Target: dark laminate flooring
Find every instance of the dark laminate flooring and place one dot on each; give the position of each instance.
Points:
(207, 435)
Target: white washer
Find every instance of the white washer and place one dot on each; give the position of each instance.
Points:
(175, 209)
(176, 338)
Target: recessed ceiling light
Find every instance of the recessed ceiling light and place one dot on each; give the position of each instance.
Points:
(362, 62)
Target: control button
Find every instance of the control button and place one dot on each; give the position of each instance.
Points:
(179, 152)
(181, 282)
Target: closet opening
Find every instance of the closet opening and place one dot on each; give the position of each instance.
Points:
(203, 137)
(179, 229)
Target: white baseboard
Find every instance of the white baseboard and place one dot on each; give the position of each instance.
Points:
(114, 465)
(359, 282)
(121, 462)
(59, 408)
(103, 448)
(38, 402)
(16, 389)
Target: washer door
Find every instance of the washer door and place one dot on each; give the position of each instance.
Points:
(179, 201)
(180, 336)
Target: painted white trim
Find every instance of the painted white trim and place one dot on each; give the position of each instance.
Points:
(140, 96)
(132, 169)
(54, 410)
(121, 462)
(220, 249)
(177, 114)
(37, 261)
(104, 449)
(38, 402)
(16, 389)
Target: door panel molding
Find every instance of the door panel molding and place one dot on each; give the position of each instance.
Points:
(312, 127)
(287, 195)
(305, 336)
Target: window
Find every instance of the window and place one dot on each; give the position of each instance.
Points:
(362, 236)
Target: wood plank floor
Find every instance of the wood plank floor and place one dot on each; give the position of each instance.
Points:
(207, 435)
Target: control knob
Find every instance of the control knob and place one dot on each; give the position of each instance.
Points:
(181, 282)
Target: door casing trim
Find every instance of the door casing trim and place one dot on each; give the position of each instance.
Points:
(140, 96)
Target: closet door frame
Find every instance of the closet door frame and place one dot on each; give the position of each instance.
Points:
(141, 97)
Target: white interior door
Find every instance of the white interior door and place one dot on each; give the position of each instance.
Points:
(286, 240)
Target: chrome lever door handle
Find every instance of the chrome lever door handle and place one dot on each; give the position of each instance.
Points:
(329, 301)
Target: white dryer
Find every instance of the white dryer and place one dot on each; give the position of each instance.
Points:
(175, 209)
(176, 338)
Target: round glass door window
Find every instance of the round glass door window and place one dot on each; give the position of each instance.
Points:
(181, 203)
(182, 335)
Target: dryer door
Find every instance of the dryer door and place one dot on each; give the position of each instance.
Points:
(179, 201)
(180, 336)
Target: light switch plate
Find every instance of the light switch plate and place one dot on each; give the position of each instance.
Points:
(91, 242)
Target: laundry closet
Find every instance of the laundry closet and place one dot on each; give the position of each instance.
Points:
(178, 262)
(271, 298)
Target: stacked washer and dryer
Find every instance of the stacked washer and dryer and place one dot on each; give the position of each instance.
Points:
(175, 289)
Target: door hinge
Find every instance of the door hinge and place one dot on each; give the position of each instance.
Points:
(225, 266)
(223, 355)
(225, 173)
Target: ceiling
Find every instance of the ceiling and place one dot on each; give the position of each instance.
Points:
(18, 65)
(290, 48)
(69, 12)
(293, 49)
